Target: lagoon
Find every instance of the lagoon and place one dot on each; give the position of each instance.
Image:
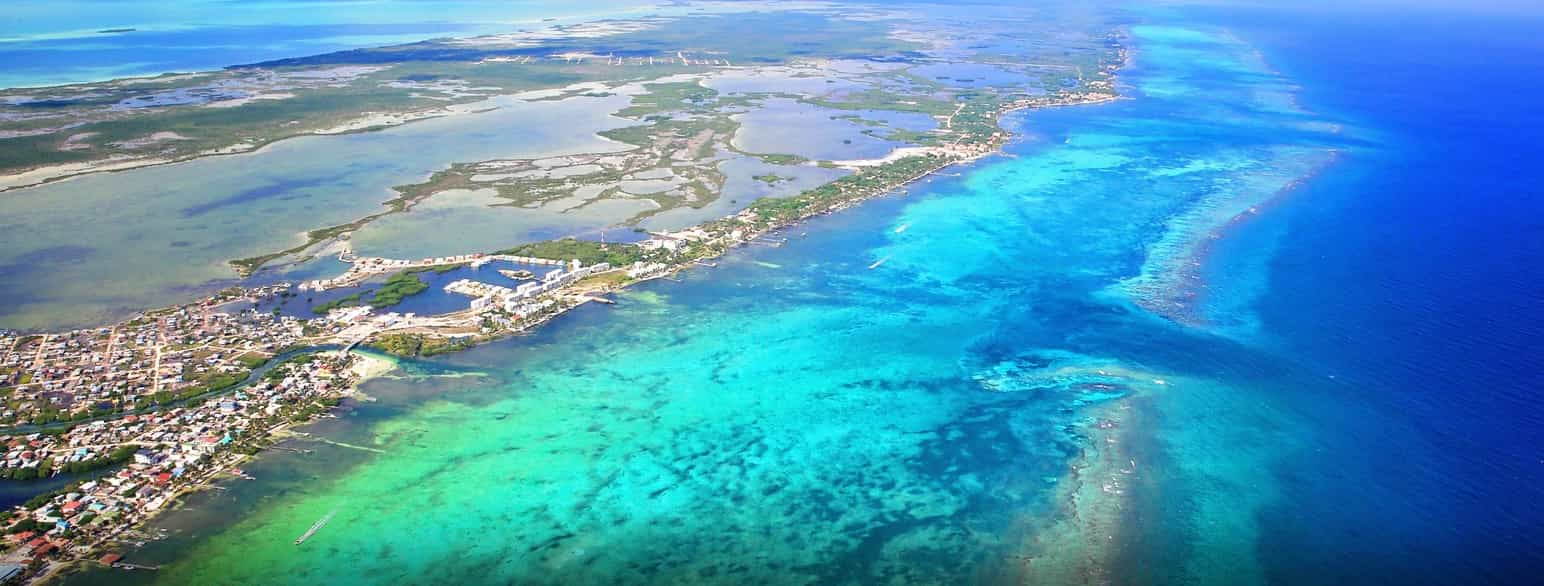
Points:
(163, 235)
(785, 126)
(56, 42)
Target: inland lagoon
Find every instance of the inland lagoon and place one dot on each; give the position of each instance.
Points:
(59, 241)
(75, 41)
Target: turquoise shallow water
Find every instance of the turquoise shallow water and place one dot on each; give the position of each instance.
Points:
(997, 400)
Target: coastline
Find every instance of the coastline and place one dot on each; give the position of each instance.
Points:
(1223, 444)
(363, 368)
(748, 226)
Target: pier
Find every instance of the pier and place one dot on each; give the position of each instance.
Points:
(131, 567)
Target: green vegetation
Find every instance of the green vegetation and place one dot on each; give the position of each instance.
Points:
(396, 288)
(30, 524)
(876, 99)
(208, 385)
(284, 369)
(313, 408)
(586, 251)
(670, 97)
(771, 179)
(867, 182)
(410, 345)
(339, 303)
(859, 120)
(398, 344)
(252, 360)
(605, 280)
(649, 134)
(218, 380)
(436, 346)
(436, 269)
(776, 159)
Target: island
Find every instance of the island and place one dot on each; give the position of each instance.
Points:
(176, 398)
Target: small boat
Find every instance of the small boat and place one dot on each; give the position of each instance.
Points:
(902, 227)
(317, 526)
(878, 262)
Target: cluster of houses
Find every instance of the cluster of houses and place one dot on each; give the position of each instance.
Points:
(76, 374)
(520, 301)
(167, 446)
(676, 241)
(642, 269)
(365, 266)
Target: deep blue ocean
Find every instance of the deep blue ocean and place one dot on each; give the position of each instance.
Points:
(1412, 272)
